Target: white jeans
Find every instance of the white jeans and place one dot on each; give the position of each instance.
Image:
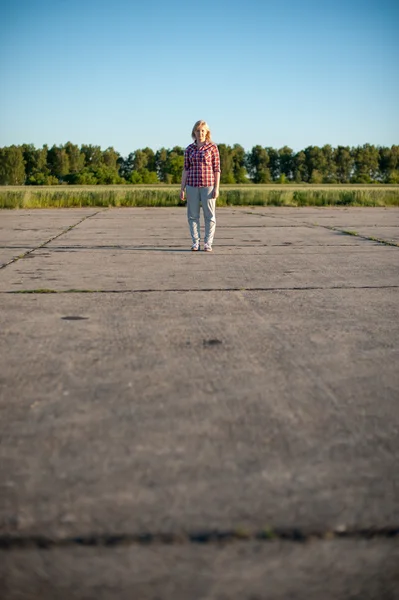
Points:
(195, 196)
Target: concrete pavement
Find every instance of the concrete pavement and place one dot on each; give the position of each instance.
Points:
(194, 425)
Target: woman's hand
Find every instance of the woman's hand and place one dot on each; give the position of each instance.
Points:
(215, 194)
(182, 195)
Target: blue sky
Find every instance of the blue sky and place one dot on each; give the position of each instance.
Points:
(132, 74)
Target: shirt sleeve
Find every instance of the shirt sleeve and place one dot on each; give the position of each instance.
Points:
(215, 159)
(186, 160)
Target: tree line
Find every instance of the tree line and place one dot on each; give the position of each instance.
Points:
(90, 165)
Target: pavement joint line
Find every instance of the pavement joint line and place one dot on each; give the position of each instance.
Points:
(332, 228)
(54, 237)
(266, 534)
(171, 248)
(197, 290)
(293, 222)
(368, 238)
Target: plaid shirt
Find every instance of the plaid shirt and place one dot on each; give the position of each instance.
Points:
(201, 164)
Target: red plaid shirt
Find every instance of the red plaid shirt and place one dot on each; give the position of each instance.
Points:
(201, 164)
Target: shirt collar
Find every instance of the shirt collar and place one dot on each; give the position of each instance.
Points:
(194, 145)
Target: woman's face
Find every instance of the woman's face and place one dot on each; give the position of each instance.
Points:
(200, 135)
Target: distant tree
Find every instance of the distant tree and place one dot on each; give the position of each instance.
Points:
(37, 171)
(344, 164)
(287, 164)
(301, 173)
(388, 163)
(274, 163)
(41, 178)
(315, 161)
(393, 176)
(175, 165)
(316, 177)
(366, 162)
(169, 164)
(329, 168)
(321, 161)
(93, 155)
(258, 161)
(85, 177)
(75, 156)
(178, 150)
(90, 165)
(126, 166)
(110, 158)
(161, 158)
(58, 162)
(96, 175)
(151, 165)
(394, 157)
(35, 160)
(143, 176)
(12, 166)
(135, 178)
(140, 160)
(106, 175)
(226, 164)
(239, 162)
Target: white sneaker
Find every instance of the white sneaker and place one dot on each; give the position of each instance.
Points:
(207, 248)
(195, 247)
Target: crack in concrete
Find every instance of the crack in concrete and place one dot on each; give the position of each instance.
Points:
(179, 248)
(369, 238)
(54, 237)
(289, 534)
(331, 228)
(197, 290)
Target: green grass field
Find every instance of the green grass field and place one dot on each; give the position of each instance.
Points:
(230, 195)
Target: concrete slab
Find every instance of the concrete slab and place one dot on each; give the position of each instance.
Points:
(386, 233)
(253, 387)
(119, 270)
(140, 249)
(174, 406)
(336, 216)
(328, 570)
(24, 230)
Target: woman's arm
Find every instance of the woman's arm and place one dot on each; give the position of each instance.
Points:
(217, 182)
(183, 184)
(216, 170)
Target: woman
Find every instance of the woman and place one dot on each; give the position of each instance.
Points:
(200, 180)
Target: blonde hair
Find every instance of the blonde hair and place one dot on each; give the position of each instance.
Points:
(205, 125)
